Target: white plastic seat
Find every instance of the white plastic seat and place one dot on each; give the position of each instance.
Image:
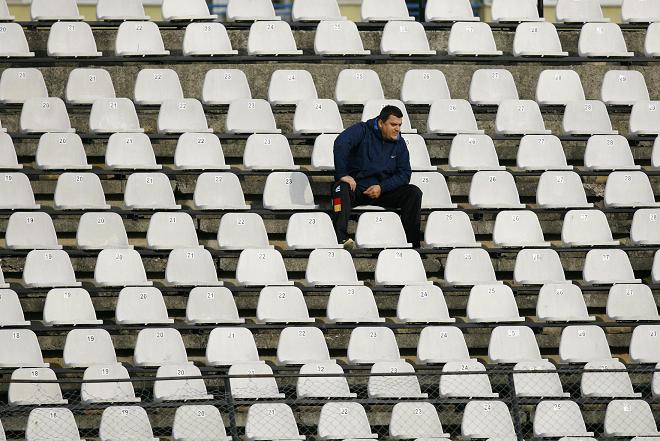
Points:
(559, 87)
(198, 423)
(424, 86)
(271, 420)
(308, 231)
(199, 151)
(358, 86)
(125, 422)
(541, 152)
(174, 10)
(415, 420)
(651, 42)
(394, 386)
(639, 11)
(494, 189)
(418, 152)
(61, 151)
(79, 191)
(31, 231)
(606, 384)
(656, 382)
(141, 306)
(562, 302)
(538, 267)
(404, 38)
(139, 38)
(520, 117)
(288, 191)
(5, 16)
(190, 267)
(130, 151)
(69, 306)
(586, 118)
(630, 418)
(261, 267)
(301, 345)
(449, 229)
(112, 115)
(602, 40)
(238, 231)
(561, 189)
(400, 267)
(154, 86)
(183, 389)
(368, 345)
(41, 115)
(2, 280)
(467, 38)
(250, 10)
(330, 267)
(380, 230)
(373, 10)
(149, 191)
(318, 385)
(528, 383)
(159, 346)
(487, 419)
(492, 86)
(582, 344)
(441, 344)
(250, 116)
(167, 231)
(253, 388)
(34, 394)
(559, 418)
(48, 268)
(644, 118)
(98, 230)
(623, 87)
(515, 11)
(608, 266)
(469, 266)
(8, 158)
(71, 39)
(579, 11)
(644, 228)
(338, 37)
(644, 346)
(609, 152)
(586, 227)
(107, 391)
(211, 305)
(513, 344)
(449, 10)
(315, 10)
(180, 116)
(16, 192)
(222, 86)
(344, 420)
(271, 38)
(282, 304)
(88, 347)
(207, 39)
(435, 193)
(352, 304)
(655, 154)
(112, 10)
(120, 267)
(51, 422)
(85, 86)
(44, 10)
(19, 84)
(455, 382)
(219, 191)
(473, 152)
(290, 86)
(537, 39)
(372, 109)
(13, 42)
(21, 349)
(11, 312)
(231, 345)
(452, 116)
(518, 228)
(629, 189)
(492, 304)
(316, 116)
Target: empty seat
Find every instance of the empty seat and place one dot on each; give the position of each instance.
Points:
(149, 191)
(537, 40)
(111, 115)
(199, 151)
(183, 389)
(435, 193)
(19, 84)
(613, 383)
(639, 11)
(559, 418)
(380, 230)
(487, 419)
(579, 11)
(112, 10)
(250, 10)
(8, 158)
(528, 383)
(651, 43)
(513, 344)
(13, 41)
(282, 304)
(394, 385)
(174, 10)
(5, 16)
(301, 345)
(21, 349)
(344, 420)
(258, 387)
(16, 192)
(85, 86)
(586, 227)
(167, 231)
(319, 383)
(644, 346)
(586, 118)
(101, 230)
(130, 151)
(34, 394)
(559, 87)
(372, 109)
(608, 152)
(561, 302)
(583, 343)
(631, 302)
(518, 228)
(261, 267)
(538, 267)
(308, 231)
(87, 347)
(541, 152)
(449, 10)
(180, 116)
(519, 117)
(418, 152)
(228, 346)
(2, 280)
(404, 38)
(329, 267)
(352, 304)
(492, 86)
(211, 305)
(120, 267)
(449, 229)
(219, 191)
(271, 421)
(207, 39)
(424, 86)
(315, 10)
(40, 115)
(623, 87)
(141, 306)
(415, 420)
(644, 119)
(61, 151)
(656, 382)
(473, 152)
(441, 344)
(468, 38)
(69, 306)
(107, 391)
(48, 268)
(79, 191)
(630, 418)
(54, 10)
(250, 116)
(139, 38)
(51, 422)
(602, 40)
(373, 10)
(515, 11)
(338, 37)
(315, 116)
(238, 231)
(644, 229)
(31, 231)
(288, 191)
(198, 423)
(154, 86)
(399, 267)
(222, 86)
(368, 345)
(492, 303)
(271, 38)
(71, 39)
(469, 266)
(561, 189)
(357, 86)
(159, 346)
(456, 382)
(11, 312)
(629, 189)
(125, 422)
(291, 86)
(452, 116)
(494, 189)
(608, 266)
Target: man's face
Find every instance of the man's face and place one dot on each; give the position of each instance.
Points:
(390, 128)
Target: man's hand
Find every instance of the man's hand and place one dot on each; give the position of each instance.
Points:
(373, 192)
(350, 181)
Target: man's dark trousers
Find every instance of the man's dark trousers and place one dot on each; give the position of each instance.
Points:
(408, 198)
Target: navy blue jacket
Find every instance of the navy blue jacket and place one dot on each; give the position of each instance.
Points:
(361, 152)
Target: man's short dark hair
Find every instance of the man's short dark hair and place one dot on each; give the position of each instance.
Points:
(387, 111)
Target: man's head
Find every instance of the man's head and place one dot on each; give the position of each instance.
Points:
(389, 122)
